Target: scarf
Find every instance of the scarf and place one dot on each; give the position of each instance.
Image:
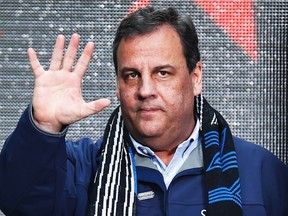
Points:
(114, 191)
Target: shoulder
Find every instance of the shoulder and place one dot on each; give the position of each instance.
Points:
(84, 149)
(263, 176)
(249, 152)
(256, 158)
(259, 165)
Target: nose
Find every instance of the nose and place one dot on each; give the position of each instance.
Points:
(147, 87)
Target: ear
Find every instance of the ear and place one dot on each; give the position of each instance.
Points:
(117, 89)
(196, 76)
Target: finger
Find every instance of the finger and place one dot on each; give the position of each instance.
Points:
(83, 62)
(57, 55)
(96, 106)
(71, 52)
(34, 62)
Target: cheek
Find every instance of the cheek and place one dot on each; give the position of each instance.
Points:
(180, 98)
(121, 90)
(177, 93)
(125, 96)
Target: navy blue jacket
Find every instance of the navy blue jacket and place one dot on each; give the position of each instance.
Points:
(40, 175)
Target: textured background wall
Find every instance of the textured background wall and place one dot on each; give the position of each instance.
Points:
(243, 46)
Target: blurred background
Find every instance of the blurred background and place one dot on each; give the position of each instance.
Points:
(243, 46)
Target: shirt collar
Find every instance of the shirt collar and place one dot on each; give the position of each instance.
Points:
(185, 148)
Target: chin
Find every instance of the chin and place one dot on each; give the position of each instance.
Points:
(148, 133)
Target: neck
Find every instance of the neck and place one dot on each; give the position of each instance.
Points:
(166, 156)
(163, 148)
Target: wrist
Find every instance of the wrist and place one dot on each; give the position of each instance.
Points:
(47, 127)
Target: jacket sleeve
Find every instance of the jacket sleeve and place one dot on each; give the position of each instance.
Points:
(32, 170)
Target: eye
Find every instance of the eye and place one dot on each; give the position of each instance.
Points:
(132, 75)
(162, 73)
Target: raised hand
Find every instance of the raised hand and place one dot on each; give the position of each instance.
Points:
(57, 98)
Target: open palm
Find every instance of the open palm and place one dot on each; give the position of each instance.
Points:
(57, 98)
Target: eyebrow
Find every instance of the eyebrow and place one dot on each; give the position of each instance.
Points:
(160, 67)
(126, 69)
(163, 67)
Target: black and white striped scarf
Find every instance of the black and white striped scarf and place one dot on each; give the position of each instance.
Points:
(114, 190)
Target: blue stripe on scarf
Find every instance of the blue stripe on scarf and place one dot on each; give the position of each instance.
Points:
(224, 194)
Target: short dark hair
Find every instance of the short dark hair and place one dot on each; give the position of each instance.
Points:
(145, 20)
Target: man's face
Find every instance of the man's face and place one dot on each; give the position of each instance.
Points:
(156, 90)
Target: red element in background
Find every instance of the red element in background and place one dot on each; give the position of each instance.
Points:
(237, 19)
(235, 16)
(137, 5)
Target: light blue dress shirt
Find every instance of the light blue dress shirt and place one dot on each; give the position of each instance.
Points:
(181, 154)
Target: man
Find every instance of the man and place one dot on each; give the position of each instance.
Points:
(165, 150)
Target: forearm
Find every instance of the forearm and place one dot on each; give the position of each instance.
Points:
(32, 162)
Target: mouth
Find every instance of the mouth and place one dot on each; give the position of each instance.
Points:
(149, 109)
(148, 112)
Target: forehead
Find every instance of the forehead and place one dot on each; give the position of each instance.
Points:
(163, 44)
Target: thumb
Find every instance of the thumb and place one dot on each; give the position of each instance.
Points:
(96, 106)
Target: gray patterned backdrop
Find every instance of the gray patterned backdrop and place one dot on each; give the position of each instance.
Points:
(249, 89)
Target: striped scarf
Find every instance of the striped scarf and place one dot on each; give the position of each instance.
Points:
(114, 189)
